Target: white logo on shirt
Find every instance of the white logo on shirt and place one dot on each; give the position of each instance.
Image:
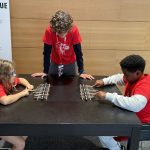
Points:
(62, 47)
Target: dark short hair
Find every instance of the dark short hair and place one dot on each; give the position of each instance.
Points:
(133, 63)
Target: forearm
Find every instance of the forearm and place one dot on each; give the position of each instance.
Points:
(46, 57)
(79, 57)
(114, 79)
(134, 103)
(24, 82)
(9, 99)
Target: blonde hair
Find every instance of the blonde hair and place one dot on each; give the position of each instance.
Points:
(5, 69)
(61, 22)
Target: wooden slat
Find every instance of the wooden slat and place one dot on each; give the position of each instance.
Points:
(27, 32)
(135, 10)
(100, 62)
(107, 62)
(28, 60)
(95, 34)
(116, 10)
(111, 30)
(114, 35)
(33, 8)
(97, 62)
(80, 10)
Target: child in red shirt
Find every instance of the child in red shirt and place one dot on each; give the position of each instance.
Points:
(136, 97)
(8, 81)
(62, 47)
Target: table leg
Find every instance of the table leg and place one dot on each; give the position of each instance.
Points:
(133, 141)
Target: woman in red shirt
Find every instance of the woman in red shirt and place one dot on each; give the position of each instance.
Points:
(62, 48)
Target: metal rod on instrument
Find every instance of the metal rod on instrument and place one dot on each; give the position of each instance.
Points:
(81, 92)
(87, 90)
(42, 91)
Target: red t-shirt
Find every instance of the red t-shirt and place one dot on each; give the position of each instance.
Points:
(62, 48)
(2, 90)
(141, 87)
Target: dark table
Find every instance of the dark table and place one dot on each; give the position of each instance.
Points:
(64, 113)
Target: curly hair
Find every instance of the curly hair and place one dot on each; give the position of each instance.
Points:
(5, 69)
(61, 22)
(133, 63)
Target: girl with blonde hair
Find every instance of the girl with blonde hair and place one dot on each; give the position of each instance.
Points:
(8, 81)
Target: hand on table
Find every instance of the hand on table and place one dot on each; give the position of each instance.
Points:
(98, 83)
(86, 76)
(39, 74)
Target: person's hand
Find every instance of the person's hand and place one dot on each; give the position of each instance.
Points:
(100, 95)
(25, 92)
(30, 87)
(98, 83)
(86, 76)
(39, 74)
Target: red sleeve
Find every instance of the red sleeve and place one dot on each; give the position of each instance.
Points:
(16, 81)
(47, 37)
(76, 35)
(2, 91)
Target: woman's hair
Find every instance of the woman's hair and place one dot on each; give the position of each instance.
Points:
(5, 73)
(61, 22)
(132, 63)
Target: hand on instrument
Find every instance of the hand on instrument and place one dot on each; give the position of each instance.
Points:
(30, 87)
(100, 95)
(98, 83)
(25, 92)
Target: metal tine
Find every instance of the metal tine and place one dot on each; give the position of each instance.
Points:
(42, 91)
(91, 88)
(82, 92)
(87, 90)
(40, 94)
